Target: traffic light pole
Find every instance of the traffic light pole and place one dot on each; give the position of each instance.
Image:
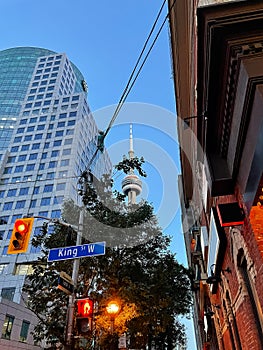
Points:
(70, 316)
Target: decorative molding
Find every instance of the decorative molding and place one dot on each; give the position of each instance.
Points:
(236, 54)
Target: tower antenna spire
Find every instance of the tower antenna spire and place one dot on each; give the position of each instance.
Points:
(131, 184)
(131, 151)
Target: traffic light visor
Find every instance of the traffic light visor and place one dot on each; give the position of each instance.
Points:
(20, 236)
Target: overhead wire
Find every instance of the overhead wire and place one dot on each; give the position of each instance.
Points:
(133, 77)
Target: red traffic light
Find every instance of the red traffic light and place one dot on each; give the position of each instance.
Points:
(85, 307)
(20, 236)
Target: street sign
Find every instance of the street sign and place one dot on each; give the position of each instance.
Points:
(77, 251)
(65, 283)
(122, 342)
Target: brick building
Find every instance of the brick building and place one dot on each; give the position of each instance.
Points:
(217, 52)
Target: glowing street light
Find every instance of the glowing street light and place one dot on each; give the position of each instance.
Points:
(112, 309)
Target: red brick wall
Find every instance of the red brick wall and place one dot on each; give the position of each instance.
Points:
(252, 232)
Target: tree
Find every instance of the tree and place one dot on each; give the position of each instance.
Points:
(138, 269)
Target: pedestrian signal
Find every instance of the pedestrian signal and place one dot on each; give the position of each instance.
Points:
(20, 236)
(85, 308)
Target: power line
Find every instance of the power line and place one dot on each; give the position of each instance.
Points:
(132, 79)
(127, 90)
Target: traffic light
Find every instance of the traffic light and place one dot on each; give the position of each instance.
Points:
(84, 316)
(100, 142)
(20, 236)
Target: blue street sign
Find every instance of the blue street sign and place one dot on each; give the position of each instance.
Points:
(77, 251)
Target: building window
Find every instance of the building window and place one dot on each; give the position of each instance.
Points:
(4, 219)
(11, 192)
(18, 139)
(64, 162)
(59, 133)
(61, 187)
(16, 179)
(36, 190)
(20, 204)
(14, 149)
(23, 191)
(43, 213)
(8, 293)
(41, 166)
(48, 188)
(30, 167)
(33, 120)
(55, 153)
(7, 206)
(19, 168)
(8, 170)
(23, 269)
(57, 143)
(22, 157)
(61, 124)
(7, 326)
(66, 152)
(36, 146)
(11, 159)
(24, 331)
(28, 138)
(25, 148)
(50, 176)
(71, 122)
(58, 199)
(35, 250)
(72, 114)
(55, 214)
(33, 156)
(27, 177)
(41, 126)
(38, 136)
(45, 201)
(33, 203)
(3, 268)
(62, 173)
(52, 164)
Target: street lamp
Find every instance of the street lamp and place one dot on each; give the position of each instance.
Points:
(113, 308)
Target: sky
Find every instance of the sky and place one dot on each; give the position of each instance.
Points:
(104, 40)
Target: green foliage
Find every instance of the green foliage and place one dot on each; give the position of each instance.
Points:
(127, 164)
(138, 269)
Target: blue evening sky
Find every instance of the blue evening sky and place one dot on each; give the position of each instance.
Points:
(104, 39)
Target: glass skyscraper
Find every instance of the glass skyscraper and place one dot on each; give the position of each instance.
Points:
(47, 138)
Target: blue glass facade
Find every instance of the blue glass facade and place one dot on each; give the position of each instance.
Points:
(16, 68)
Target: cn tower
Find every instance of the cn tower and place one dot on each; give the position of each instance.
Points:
(131, 184)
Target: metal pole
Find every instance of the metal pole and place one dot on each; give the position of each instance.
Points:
(75, 271)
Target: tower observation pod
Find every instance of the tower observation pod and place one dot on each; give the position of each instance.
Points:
(131, 184)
